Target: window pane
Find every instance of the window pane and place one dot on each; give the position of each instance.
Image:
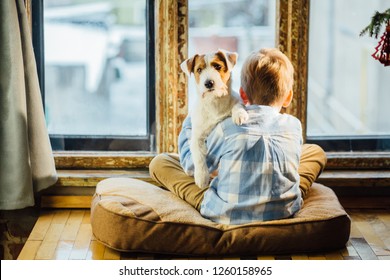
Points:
(95, 67)
(241, 26)
(347, 92)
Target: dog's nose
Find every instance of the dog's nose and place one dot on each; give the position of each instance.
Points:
(209, 84)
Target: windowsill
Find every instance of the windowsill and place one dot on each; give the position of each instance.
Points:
(89, 178)
(131, 160)
(343, 169)
(102, 160)
(358, 160)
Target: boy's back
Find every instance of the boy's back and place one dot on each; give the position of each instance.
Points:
(257, 163)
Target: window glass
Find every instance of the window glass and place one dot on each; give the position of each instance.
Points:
(347, 88)
(241, 26)
(95, 67)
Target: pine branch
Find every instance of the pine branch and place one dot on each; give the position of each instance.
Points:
(376, 22)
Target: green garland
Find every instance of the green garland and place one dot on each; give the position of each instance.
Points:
(376, 22)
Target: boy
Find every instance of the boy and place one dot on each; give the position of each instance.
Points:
(262, 173)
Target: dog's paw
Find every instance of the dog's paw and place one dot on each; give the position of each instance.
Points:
(240, 116)
(202, 177)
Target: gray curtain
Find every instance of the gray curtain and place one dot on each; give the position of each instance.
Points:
(26, 159)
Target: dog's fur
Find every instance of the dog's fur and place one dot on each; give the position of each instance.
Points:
(216, 101)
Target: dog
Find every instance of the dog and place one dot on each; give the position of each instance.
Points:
(216, 101)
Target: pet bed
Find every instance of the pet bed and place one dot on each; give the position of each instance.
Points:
(134, 216)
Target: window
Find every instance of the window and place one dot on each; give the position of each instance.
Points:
(241, 26)
(97, 73)
(347, 98)
(172, 17)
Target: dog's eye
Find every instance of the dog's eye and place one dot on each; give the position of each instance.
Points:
(217, 67)
(199, 70)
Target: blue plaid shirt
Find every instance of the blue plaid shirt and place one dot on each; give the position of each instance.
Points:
(257, 166)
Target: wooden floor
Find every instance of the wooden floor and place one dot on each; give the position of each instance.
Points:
(67, 234)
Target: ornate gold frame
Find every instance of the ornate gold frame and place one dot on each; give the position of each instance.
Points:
(292, 38)
(171, 84)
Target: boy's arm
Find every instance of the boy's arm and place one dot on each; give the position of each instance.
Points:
(184, 147)
(213, 147)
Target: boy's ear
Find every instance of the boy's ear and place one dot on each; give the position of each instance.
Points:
(244, 97)
(288, 99)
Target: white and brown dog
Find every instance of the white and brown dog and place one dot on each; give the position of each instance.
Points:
(216, 101)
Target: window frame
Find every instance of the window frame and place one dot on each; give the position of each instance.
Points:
(101, 142)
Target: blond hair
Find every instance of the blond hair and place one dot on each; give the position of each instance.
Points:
(267, 76)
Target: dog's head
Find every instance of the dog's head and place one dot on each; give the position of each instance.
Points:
(212, 71)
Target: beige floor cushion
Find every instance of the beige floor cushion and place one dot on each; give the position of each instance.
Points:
(134, 216)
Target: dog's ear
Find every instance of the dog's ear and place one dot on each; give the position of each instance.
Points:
(188, 65)
(230, 57)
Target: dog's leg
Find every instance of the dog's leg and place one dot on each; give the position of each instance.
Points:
(239, 114)
(199, 151)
